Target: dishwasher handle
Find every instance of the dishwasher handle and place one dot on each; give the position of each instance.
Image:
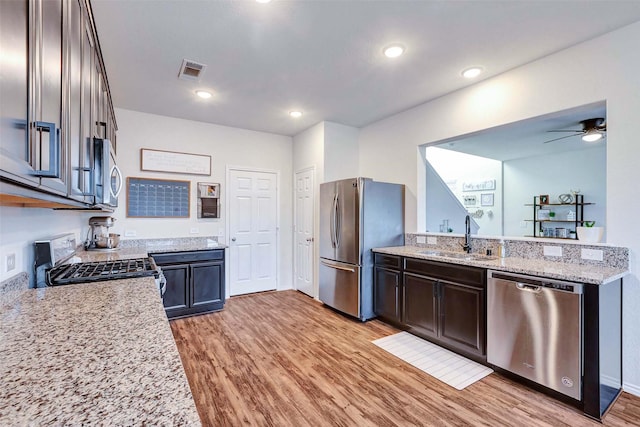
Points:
(527, 287)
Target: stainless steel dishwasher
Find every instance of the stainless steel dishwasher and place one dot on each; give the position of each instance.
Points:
(534, 329)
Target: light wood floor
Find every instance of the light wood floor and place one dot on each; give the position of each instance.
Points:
(283, 359)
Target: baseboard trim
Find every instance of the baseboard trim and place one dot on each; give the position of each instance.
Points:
(631, 388)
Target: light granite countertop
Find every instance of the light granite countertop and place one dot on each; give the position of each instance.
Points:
(91, 355)
(158, 246)
(592, 274)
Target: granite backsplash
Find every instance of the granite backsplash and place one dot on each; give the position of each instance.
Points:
(612, 256)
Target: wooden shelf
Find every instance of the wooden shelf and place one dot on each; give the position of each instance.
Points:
(556, 220)
(548, 237)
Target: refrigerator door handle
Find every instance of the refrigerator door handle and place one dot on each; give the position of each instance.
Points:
(337, 267)
(334, 219)
(338, 221)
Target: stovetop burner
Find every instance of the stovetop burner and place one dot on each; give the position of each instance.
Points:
(101, 270)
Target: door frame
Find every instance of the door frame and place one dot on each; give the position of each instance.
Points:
(314, 268)
(227, 213)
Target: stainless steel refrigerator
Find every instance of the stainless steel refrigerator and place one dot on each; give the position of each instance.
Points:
(356, 215)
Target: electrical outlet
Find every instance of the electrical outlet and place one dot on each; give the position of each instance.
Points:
(523, 224)
(194, 230)
(130, 233)
(10, 263)
(592, 254)
(421, 239)
(432, 240)
(552, 250)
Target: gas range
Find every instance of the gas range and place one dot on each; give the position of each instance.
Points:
(101, 270)
(52, 266)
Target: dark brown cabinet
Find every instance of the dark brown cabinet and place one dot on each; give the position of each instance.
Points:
(50, 97)
(387, 287)
(442, 302)
(195, 281)
(420, 305)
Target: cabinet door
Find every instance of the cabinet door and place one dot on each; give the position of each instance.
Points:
(420, 304)
(207, 283)
(15, 151)
(176, 297)
(462, 317)
(51, 153)
(73, 74)
(386, 299)
(88, 57)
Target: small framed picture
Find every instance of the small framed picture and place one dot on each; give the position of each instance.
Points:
(544, 199)
(486, 199)
(543, 214)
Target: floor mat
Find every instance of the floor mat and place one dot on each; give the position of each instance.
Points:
(448, 367)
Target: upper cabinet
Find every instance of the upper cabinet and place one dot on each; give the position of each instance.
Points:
(55, 97)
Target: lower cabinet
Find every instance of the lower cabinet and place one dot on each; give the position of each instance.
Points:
(195, 281)
(387, 287)
(442, 302)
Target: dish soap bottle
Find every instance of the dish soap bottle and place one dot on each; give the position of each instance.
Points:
(501, 249)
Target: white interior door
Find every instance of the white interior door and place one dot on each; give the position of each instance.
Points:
(304, 240)
(253, 207)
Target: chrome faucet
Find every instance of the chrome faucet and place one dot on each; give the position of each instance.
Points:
(467, 235)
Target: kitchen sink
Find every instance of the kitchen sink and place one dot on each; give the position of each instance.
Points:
(458, 255)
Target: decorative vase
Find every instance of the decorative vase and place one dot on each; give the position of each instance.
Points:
(590, 234)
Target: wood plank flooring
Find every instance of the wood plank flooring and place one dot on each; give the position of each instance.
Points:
(283, 359)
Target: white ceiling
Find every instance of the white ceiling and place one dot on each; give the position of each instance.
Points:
(325, 57)
(528, 138)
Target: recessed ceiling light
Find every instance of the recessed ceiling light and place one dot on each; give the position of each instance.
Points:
(472, 72)
(295, 114)
(203, 94)
(263, 1)
(393, 51)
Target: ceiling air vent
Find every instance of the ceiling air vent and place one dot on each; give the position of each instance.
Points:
(191, 70)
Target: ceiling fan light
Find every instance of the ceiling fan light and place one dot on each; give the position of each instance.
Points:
(592, 136)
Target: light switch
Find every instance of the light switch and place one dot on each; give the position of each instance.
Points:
(432, 240)
(421, 239)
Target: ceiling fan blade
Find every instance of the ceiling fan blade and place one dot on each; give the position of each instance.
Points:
(557, 139)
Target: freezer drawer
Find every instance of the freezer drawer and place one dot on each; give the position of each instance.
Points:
(340, 286)
(534, 329)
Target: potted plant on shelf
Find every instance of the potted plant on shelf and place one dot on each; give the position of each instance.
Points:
(589, 233)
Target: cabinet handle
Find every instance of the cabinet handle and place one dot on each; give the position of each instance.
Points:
(104, 126)
(54, 150)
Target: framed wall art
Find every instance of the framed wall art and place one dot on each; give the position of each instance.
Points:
(174, 162)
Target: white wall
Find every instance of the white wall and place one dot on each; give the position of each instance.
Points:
(456, 168)
(557, 82)
(340, 152)
(227, 146)
(532, 176)
(20, 227)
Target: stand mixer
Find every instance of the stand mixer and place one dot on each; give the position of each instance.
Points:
(99, 237)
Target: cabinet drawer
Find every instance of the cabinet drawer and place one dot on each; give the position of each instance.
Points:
(187, 257)
(454, 272)
(388, 261)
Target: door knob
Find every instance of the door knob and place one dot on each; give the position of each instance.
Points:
(233, 239)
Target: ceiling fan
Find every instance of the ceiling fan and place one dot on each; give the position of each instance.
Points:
(592, 130)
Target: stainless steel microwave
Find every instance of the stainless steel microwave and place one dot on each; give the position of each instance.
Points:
(107, 178)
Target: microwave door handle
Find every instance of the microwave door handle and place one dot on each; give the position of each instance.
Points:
(119, 173)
